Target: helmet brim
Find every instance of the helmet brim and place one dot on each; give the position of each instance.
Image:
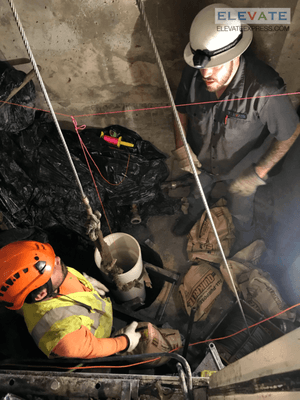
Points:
(225, 57)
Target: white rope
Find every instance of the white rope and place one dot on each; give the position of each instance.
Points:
(39, 77)
(182, 134)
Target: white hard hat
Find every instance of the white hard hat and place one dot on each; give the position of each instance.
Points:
(212, 44)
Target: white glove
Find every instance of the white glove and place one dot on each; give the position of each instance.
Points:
(184, 163)
(132, 335)
(98, 286)
(247, 182)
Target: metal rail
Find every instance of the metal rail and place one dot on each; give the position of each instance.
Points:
(97, 385)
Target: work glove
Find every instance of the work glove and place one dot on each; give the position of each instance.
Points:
(247, 183)
(184, 163)
(132, 335)
(98, 286)
(93, 225)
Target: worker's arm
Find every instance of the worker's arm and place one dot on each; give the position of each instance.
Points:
(83, 344)
(254, 176)
(183, 120)
(276, 151)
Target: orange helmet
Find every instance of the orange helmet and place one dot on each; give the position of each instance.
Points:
(24, 266)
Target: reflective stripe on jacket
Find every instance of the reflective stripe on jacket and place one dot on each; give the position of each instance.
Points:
(50, 320)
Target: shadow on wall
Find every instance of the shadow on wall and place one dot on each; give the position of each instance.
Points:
(170, 24)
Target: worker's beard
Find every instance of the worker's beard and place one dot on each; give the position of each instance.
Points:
(215, 83)
(65, 273)
(55, 289)
(64, 269)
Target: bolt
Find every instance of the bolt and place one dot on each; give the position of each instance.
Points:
(55, 385)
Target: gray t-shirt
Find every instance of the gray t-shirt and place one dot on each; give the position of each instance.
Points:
(228, 136)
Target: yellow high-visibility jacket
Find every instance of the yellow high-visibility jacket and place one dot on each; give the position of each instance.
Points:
(50, 320)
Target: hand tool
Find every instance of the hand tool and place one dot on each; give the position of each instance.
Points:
(216, 356)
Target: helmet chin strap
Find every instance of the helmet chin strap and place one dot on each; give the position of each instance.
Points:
(50, 291)
(51, 294)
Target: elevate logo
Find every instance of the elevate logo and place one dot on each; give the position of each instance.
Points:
(256, 16)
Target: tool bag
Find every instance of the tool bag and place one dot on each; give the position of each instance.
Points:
(256, 286)
(202, 242)
(201, 285)
(155, 340)
(261, 292)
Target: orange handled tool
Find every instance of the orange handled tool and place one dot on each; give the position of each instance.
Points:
(116, 141)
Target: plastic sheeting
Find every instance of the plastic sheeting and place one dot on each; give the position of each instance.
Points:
(15, 118)
(38, 187)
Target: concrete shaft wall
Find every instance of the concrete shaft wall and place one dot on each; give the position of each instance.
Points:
(95, 55)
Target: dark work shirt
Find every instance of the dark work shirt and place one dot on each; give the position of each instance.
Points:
(230, 135)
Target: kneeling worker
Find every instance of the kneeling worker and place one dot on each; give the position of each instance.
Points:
(65, 314)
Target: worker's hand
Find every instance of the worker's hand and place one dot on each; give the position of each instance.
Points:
(93, 225)
(247, 183)
(98, 286)
(182, 157)
(132, 336)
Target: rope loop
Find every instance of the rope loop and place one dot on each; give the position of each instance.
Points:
(77, 128)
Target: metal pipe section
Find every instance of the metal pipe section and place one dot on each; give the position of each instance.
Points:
(183, 382)
(71, 362)
(36, 363)
(96, 385)
(182, 134)
(189, 332)
(136, 218)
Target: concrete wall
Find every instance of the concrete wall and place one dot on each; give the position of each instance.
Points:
(96, 56)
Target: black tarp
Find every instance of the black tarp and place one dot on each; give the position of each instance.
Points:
(39, 195)
(38, 187)
(14, 118)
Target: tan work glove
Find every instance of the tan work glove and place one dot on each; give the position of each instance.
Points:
(247, 183)
(98, 286)
(184, 163)
(132, 335)
(93, 225)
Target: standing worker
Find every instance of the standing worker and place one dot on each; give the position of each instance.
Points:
(65, 314)
(238, 134)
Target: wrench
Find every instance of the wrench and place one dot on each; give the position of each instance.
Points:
(216, 356)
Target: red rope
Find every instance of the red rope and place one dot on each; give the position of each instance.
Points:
(193, 344)
(153, 108)
(178, 348)
(85, 152)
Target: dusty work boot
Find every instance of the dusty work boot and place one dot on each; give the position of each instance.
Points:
(184, 224)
